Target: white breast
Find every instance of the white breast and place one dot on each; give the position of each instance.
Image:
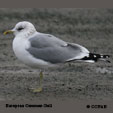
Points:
(20, 46)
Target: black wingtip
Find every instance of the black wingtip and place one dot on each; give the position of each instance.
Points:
(106, 56)
(96, 57)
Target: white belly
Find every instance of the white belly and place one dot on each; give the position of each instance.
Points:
(20, 46)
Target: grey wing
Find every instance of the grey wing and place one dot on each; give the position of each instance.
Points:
(55, 51)
(41, 40)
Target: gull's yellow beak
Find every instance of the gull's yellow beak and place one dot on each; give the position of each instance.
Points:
(8, 32)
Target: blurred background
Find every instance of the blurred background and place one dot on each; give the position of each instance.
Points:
(92, 28)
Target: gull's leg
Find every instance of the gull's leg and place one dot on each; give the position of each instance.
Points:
(39, 89)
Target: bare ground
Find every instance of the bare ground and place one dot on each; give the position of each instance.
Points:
(92, 28)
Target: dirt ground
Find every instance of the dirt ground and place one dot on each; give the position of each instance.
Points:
(92, 28)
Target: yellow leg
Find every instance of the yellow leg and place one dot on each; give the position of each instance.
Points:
(39, 89)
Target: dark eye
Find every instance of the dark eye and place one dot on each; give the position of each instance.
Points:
(20, 28)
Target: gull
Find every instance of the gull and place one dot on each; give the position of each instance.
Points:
(40, 50)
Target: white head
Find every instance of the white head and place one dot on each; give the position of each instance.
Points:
(24, 28)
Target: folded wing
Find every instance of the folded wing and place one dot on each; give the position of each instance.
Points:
(54, 50)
